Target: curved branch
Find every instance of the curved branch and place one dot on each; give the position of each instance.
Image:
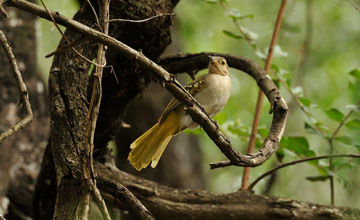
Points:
(191, 63)
(194, 109)
(169, 203)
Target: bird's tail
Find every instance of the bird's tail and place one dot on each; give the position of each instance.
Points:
(150, 146)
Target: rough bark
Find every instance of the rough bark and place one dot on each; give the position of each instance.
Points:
(69, 87)
(20, 153)
(169, 203)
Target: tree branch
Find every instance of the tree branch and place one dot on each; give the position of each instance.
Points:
(296, 162)
(193, 108)
(194, 62)
(24, 97)
(169, 203)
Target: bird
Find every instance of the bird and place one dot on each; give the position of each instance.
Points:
(211, 90)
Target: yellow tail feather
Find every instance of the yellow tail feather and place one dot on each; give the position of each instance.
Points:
(150, 146)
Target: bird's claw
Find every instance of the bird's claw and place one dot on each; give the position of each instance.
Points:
(216, 124)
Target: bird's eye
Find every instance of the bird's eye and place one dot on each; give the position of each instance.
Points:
(222, 62)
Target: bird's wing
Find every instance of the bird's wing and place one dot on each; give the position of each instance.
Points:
(193, 88)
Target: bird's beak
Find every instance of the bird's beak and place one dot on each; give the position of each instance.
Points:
(212, 58)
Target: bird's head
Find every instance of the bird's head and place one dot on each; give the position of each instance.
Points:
(218, 65)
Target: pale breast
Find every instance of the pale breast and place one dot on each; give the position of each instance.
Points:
(214, 97)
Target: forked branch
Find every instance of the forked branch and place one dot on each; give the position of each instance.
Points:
(24, 97)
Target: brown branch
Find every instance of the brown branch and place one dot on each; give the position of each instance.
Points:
(141, 20)
(193, 108)
(251, 145)
(169, 203)
(94, 109)
(251, 186)
(63, 35)
(125, 197)
(195, 62)
(354, 5)
(24, 97)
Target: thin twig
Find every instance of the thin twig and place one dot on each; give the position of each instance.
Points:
(3, 11)
(63, 35)
(331, 143)
(94, 107)
(251, 186)
(299, 104)
(96, 16)
(22, 89)
(354, 5)
(59, 50)
(251, 146)
(141, 20)
(121, 193)
(238, 26)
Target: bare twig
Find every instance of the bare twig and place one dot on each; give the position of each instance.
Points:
(22, 89)
(194, 109)
(65, 47)
(141, 20)
(299, 104)
(331, 143)
(121, 193)
(354, 5)
(251, 186)
(94, 107)
(238, 26)
(251, 146)
(3, 11)
(96, 16)
(63, 35)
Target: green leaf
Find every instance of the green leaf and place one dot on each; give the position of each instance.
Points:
(353, 124)
(355, 108)
(278, 52)
(305, 101)
(280, 154)
(309, 128)
(235, 14)
(211, 1)
(300, 146)
(233, 35)
(263, 132)
(260, 54)
(298, 91)
(334, 114)
(355, 73)
(344, 139)
(317, 178)
(221, 118)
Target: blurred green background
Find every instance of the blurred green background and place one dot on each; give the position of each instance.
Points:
(322, 79)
